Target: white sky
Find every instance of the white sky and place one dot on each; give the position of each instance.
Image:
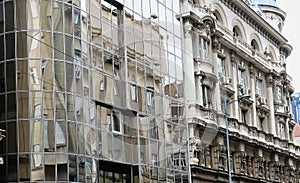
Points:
(290, 31)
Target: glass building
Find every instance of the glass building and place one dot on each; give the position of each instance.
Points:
(91, 91)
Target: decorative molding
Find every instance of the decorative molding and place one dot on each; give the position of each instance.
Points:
(254, 20)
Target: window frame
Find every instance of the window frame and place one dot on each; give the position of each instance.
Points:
(241, 77)
(111, 118)
(221, 64)
(133, 92)
(258, 88)
(203, 46)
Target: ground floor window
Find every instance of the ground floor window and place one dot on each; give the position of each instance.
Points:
(111, 172)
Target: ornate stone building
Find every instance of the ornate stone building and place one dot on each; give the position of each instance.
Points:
(235, 49)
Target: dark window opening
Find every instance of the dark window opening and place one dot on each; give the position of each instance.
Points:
(244, 116)
(261, 123)
(111, 172)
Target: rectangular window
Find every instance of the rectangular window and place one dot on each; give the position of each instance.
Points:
(278, 95)
(117, 87)
(203, 48)
(221, 65)
(34, 76)
(176, 111)
(241, 80)
(60, 134)
(206, 96)
(244, 116)
(153, 130)
(78, 64)
(37, 111)
(258, 87)
(76, 18)
(282, 130)
(37, 157)
(149, 98)
(133, 93)
(261, 123)
(116, 122)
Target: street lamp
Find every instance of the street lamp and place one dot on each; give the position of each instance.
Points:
(227, 132)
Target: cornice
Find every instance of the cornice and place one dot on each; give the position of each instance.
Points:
(257, 22)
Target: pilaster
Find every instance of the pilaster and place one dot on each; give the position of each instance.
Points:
(270, 99)
(253, 97)
(235, 85)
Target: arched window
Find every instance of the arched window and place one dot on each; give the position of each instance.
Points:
(280, 25)
(254, 45)
(236, 32)
(218, 17)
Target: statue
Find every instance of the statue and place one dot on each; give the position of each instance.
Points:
(277, 172)
(261, 167)
(222, 157)
(195, 147)
(267, 171)
(250, 166)
(207, 157)
(291, 175)
(243, 162)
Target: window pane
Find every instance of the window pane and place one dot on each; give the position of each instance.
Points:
(10, 76)
(21, 14)
(72, 168)
(1, 45)
(24, 136)
(12, 169)
(11, 106)
(9, 16)
(49, 170)
(24, 163)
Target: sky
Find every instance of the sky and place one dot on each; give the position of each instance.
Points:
(290, 31)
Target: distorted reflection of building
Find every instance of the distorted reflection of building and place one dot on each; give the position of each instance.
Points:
(89, 103)
(134, 91)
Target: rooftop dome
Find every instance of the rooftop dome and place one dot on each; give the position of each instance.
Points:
(268, 10)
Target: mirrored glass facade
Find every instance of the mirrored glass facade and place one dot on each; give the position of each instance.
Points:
(92, 91)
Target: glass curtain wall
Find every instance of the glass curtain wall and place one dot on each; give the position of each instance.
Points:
(92, 91)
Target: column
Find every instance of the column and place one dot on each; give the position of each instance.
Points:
(217, 90)
(253, 80)
(235, 105)
(189, 78)
(270, 99)
(189, 85)
(199, 94)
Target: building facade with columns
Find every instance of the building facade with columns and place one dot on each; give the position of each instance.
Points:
(236, 49)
